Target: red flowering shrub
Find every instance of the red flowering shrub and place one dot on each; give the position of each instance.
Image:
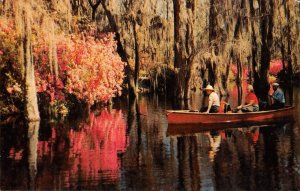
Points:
(95, 70)
(46, 81)
(89, 68)
(275, 67)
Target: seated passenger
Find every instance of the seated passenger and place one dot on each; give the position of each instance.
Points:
(251, 101)
(213, 100)
(277, 98)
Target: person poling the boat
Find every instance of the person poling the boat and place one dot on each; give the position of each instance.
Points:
(213, 100)
(277, 98)
(251, 101)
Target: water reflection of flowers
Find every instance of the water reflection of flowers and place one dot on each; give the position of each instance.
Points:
(99, 143)
(94, 148)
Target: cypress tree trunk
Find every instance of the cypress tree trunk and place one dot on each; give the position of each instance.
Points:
(94, 13)
(266, 29)
(211, 37)
(239, 82)
(254, 46)
(33, 139)
(94, 8)
(289, 41)
(184, 46)
(31, 106)
(129, 71)
(214, 73)
(137, 57)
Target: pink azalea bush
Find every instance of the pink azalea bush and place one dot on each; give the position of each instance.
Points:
(95, 70)
(89, 68)
(46, 81)
(275, 67)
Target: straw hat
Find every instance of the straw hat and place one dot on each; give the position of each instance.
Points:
(250, 88)
(209, 87)
(275, 84)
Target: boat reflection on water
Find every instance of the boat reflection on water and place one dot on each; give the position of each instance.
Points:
(216, 133)
(185, 129)
(233, 157)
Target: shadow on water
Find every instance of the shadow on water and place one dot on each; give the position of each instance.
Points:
(131, 147)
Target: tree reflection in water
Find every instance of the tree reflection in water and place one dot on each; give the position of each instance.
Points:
(89, 154)
(248, 158)
(33, 132)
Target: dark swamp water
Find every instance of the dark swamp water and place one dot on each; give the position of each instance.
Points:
(119, 149)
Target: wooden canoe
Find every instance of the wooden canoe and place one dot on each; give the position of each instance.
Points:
(189, 117)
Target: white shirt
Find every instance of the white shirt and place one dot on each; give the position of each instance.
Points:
(214, 98)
